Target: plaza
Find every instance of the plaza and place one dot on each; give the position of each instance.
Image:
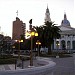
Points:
(64, 66)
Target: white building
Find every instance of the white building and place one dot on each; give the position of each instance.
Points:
(67, 40)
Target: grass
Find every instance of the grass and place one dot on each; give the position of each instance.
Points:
(7, 61)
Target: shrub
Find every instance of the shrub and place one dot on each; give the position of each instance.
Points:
(10, 59)
(7, 61)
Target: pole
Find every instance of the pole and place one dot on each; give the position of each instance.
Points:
(19, 50)
(31, 57)
(57, 48)
(38, 49)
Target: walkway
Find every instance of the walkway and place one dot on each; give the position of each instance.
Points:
(64, 66)
(12, 66)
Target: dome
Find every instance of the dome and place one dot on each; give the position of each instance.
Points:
(65, 22)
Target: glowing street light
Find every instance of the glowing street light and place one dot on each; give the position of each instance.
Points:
(19, 47)
(31, 53)
(32, 34)
(38, 43)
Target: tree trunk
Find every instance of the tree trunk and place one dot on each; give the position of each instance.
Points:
(49, 50)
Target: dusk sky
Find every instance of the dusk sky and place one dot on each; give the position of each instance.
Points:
(34, 9)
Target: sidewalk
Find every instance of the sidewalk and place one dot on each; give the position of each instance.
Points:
(8, 67)
(12, 66)
(64, 66)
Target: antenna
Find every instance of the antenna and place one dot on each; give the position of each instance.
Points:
(17, 12)
(47, 5)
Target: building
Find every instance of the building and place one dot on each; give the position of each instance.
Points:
(5, 43)
(1, 42)
(18, 29)
(67, 40)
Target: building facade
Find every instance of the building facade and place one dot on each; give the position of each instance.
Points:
(67, 40)
(18, 29)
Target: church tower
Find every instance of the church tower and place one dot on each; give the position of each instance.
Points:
(47, 15)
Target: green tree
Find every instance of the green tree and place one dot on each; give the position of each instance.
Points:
(47, 33)
(40, 37)
(51, 32)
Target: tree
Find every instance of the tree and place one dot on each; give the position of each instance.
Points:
(47, 33)
(40, 32)
(51, 32)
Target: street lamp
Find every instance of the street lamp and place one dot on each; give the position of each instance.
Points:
(31, 53)
(18, 61)
(19, 47)
(32, 34)
(38, 43)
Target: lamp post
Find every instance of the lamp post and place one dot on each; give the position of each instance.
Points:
(31, 52)
(19, 63)
(19, 47)
(32, 34)
(38, 43)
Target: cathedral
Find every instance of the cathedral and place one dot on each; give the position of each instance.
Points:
(67, 40)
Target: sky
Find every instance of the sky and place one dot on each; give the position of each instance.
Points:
(34, 9)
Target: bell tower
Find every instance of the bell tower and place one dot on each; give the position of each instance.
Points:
(47, 15)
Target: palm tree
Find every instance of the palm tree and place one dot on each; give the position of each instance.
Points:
(40, 37)
(50, 32)
(47, 33)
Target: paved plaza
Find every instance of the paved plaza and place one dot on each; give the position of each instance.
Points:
(64, 66)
